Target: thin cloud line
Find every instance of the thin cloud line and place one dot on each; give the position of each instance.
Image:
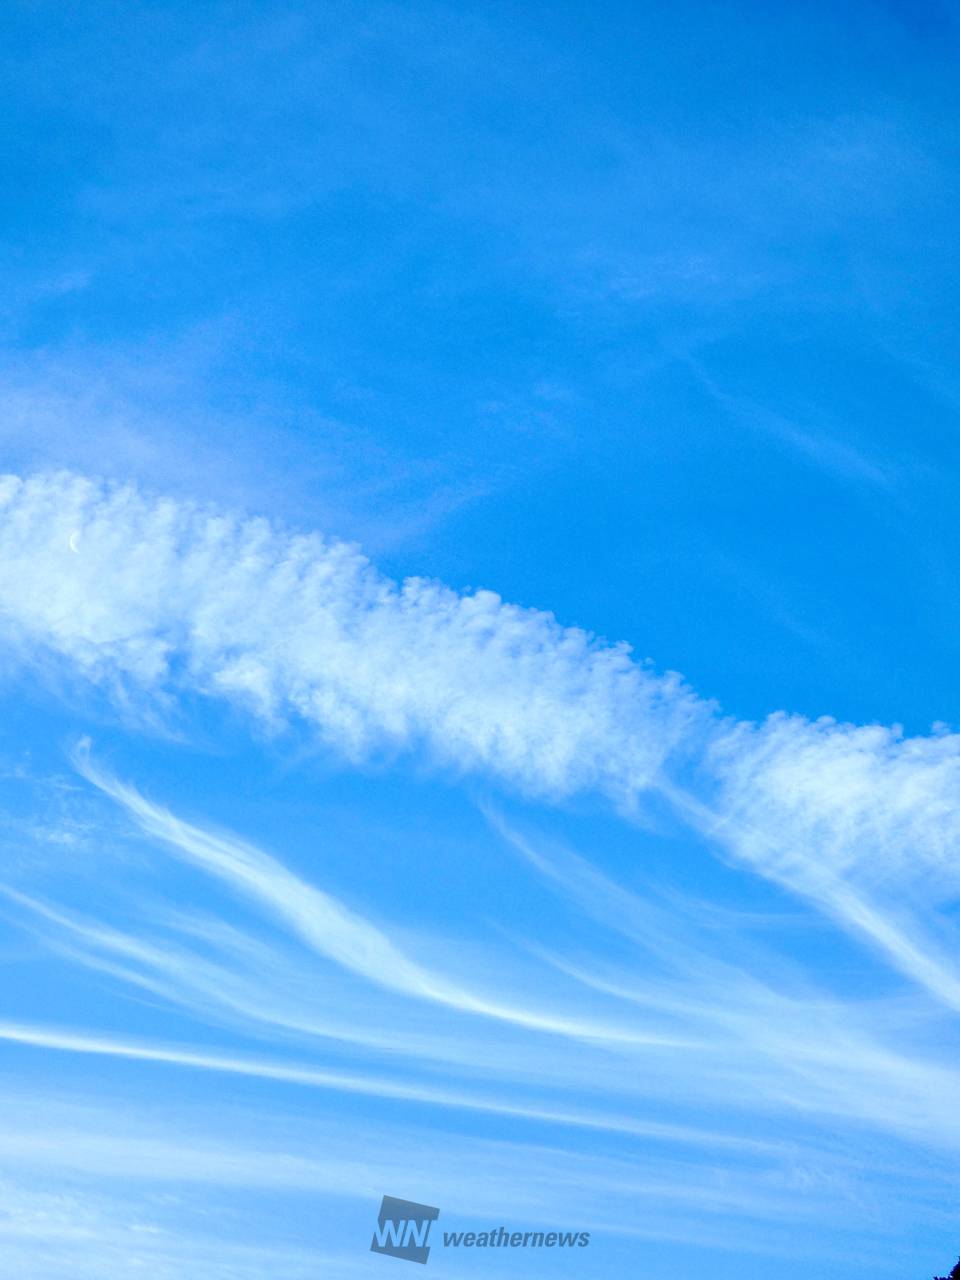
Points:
(68, 1041)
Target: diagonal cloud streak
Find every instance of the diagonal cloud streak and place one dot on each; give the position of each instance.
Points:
(326, 925)
(296, 625)
(160, 597)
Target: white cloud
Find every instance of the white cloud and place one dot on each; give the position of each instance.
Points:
(67, 1040)
(161, 593)
(693, 1029)
(328, 927)
(860, 820)
(129, 1156)
(771, 1038)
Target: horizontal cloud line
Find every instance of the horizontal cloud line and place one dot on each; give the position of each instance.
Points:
(69, 1041)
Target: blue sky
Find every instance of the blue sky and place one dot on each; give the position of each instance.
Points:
(478, 635)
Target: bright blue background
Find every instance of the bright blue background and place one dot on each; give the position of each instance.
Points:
(645, 315)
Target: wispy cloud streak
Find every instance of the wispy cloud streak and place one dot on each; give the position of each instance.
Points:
(325, 924)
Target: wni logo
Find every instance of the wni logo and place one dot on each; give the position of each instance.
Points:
(403, 1229)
